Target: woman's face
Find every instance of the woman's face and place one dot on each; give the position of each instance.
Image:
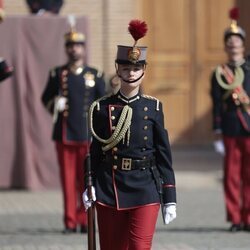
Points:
(130, 73)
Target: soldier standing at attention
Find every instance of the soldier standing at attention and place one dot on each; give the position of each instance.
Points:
(130, 157)
(5, 69)
(231, 122)
(70, 90)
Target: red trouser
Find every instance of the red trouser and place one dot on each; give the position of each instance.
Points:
(131, 229)
(237, 179)
(71, 160)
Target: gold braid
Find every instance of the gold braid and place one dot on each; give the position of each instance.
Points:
(120, 131)
(124, 130)
(238, 78)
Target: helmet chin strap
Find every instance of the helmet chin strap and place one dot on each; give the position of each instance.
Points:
(132, 80)
(127, 81)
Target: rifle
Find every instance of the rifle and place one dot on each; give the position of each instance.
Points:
(158, 181)
(91, 210)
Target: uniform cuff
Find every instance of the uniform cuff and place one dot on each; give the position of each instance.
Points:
(169, 194)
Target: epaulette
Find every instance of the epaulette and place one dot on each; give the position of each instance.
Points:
(153, 98)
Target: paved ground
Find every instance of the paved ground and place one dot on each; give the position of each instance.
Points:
(32, 220)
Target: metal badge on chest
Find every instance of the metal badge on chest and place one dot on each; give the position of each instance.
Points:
(89, 79)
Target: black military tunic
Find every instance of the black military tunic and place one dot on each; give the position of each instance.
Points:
(5, 70)
(146, 148)
(80, 90)
(225, 117)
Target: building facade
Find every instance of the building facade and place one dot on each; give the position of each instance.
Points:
(185, 41)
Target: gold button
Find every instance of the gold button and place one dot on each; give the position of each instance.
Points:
(115, 157)
(115, 149)
(65, 79)
(145, 117)
(66, 107)
(112, 117)
(145, 138)
(145, 108)
(65, 86)
(112, 108)
(65, 113)
(65, 92)
(145, 127)
(115, 167)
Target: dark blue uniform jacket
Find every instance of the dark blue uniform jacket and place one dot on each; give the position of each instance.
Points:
(225, 116)
(80, 90)
(148, 140)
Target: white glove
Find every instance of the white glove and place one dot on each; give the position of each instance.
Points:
(86, 200)
(60, 103)
(219, 147)
(169, 212)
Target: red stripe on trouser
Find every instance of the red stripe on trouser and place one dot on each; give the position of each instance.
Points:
(131, 229)
(71, 160)
(237, 179)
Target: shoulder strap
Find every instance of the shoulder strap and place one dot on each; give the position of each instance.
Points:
(153, 98)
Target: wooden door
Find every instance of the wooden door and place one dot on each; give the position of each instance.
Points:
(244, 19)
(169, 62)
(212, 18)
(184, 44)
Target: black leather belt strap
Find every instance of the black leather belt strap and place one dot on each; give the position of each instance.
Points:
(128, 163)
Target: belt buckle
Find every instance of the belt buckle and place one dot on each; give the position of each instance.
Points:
(126, 164)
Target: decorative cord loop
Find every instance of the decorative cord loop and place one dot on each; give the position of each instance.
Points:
(123, 127)
(238, 78)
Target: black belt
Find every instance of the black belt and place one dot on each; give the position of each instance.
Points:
(128, 163)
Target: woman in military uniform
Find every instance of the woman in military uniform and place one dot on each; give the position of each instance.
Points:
(130, 157)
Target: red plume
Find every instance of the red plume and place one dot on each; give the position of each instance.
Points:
(234, 13)
(137, 29)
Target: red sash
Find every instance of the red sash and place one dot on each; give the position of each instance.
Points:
(239, 96)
